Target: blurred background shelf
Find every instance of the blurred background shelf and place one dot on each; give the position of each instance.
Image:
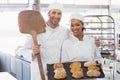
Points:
(102, 27)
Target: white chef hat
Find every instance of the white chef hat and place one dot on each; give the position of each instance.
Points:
(55, 5)
(77, 16)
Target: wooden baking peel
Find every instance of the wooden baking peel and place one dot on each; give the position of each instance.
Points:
(32, 22)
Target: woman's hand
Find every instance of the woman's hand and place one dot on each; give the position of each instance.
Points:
(35, 50)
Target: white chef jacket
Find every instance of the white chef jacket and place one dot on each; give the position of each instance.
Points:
(76, 50)
(50, 46)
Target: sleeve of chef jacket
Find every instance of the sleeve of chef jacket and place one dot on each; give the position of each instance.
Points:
(64, 55)
(64, 48)
(26, 50)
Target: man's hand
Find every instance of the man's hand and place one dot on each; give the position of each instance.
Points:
(97, 42)
(35, 50)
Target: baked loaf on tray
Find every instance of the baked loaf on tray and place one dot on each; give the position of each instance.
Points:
(93, 73)
(93, 70)
(59, 70)
(60, 73)
(76, 70)
(75, 65)
(58, 65)
(77, 74)
(90, 63)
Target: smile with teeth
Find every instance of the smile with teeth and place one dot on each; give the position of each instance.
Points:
(56, 20)
(75, 31)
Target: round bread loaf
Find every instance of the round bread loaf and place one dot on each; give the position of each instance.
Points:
(60, 73)
(93, 73)
(77, 74)
(93, 68)
(58, 65)
(90, 63)
(75, 65)
(72, 70)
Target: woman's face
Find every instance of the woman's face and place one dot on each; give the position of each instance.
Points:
(76, 27)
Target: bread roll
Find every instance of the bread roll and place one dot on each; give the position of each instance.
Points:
(90, 63)
(73, 70)
(93, 68)
(60, 73)
(58, 65)
(93, 73)
(75, 65)
(77, 74)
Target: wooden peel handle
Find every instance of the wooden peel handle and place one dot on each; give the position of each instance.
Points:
(40, 67)
(34, 36)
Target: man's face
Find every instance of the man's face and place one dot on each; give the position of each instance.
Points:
(55, 16)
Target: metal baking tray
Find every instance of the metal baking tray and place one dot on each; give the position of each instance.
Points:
(69, 74)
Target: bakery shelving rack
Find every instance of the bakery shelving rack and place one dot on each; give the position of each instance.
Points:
(102, 27)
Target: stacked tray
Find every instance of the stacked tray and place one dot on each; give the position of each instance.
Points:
(69, 74)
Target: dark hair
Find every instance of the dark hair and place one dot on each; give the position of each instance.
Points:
(83, 29)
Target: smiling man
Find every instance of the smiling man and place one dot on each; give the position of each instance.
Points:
(50, 41)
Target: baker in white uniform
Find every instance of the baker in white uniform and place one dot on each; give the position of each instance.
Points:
(50, 42)
(79, 47)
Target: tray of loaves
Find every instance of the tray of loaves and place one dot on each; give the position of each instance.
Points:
(75, 70)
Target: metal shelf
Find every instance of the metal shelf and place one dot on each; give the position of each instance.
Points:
(102, 26)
